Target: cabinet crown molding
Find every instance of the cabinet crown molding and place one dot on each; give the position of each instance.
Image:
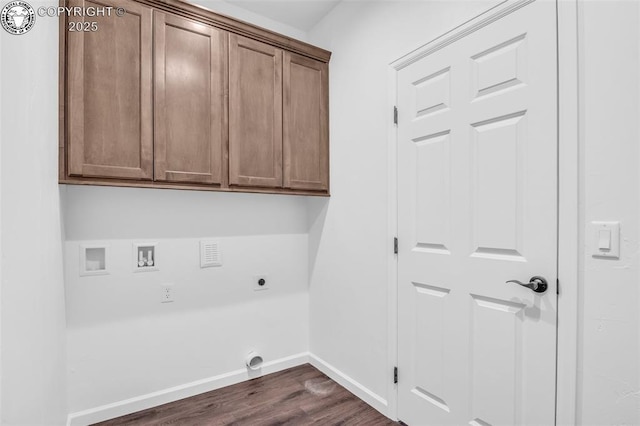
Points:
(237, 26)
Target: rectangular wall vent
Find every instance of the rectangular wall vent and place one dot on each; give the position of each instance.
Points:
(210, 254)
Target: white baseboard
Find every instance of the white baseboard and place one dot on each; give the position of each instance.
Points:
(359, 390)
(150, 400)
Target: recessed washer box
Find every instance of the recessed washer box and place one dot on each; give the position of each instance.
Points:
(93, 259)
(145, 257)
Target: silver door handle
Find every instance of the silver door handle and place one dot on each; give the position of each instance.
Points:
(537, 284)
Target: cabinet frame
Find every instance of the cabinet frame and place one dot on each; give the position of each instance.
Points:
(198, 14)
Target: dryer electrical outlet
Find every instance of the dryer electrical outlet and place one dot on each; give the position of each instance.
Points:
(261, 282)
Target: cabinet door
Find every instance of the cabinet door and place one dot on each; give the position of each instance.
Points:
(190, 80)
(306, 123)
(109, 94)
(255, 113)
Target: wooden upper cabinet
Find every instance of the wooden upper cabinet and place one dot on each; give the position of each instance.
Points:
(171, 95)
(109, 98)
(306, 123)
(255, 113)
(189, 104)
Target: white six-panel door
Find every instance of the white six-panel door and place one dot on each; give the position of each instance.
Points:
(477, 206)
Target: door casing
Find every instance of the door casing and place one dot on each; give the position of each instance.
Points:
(569, 219)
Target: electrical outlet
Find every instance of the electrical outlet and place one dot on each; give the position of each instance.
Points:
(166, 293)
(260, 282)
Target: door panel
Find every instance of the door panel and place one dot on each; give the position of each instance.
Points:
(109, 95)
(497, 367)
(190, 109)
(255, 113)
(306, 123)
(477, 185)
(497, 180)
(433, 172)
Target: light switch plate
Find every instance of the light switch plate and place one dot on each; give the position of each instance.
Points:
(606, 239)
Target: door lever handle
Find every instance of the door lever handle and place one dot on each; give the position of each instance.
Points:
(537, 284)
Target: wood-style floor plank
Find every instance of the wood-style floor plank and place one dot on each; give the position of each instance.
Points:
(298, 396)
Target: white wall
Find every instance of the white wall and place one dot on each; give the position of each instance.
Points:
(1, 138)
(349, 249)
(32, 310)
(349, 243)
(123, 343)
(347, 246)
(229, 9)
(609, 360)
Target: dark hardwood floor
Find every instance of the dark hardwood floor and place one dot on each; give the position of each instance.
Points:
(297, 396)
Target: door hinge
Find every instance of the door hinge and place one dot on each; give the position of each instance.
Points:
(395, 245)
(395, 115)
(557, 286)
(395, 375)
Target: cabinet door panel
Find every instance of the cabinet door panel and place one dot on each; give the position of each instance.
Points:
(190, 79)
(109, 95)
(255, 113)
(306, 123)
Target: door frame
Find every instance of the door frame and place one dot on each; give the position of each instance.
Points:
(569, 218)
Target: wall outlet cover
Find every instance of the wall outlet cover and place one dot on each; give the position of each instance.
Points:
(166, 293)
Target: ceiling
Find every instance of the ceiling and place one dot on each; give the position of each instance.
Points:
(300, 14)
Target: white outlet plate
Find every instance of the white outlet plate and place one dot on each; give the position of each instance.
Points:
(166, 293)
(256, 282)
